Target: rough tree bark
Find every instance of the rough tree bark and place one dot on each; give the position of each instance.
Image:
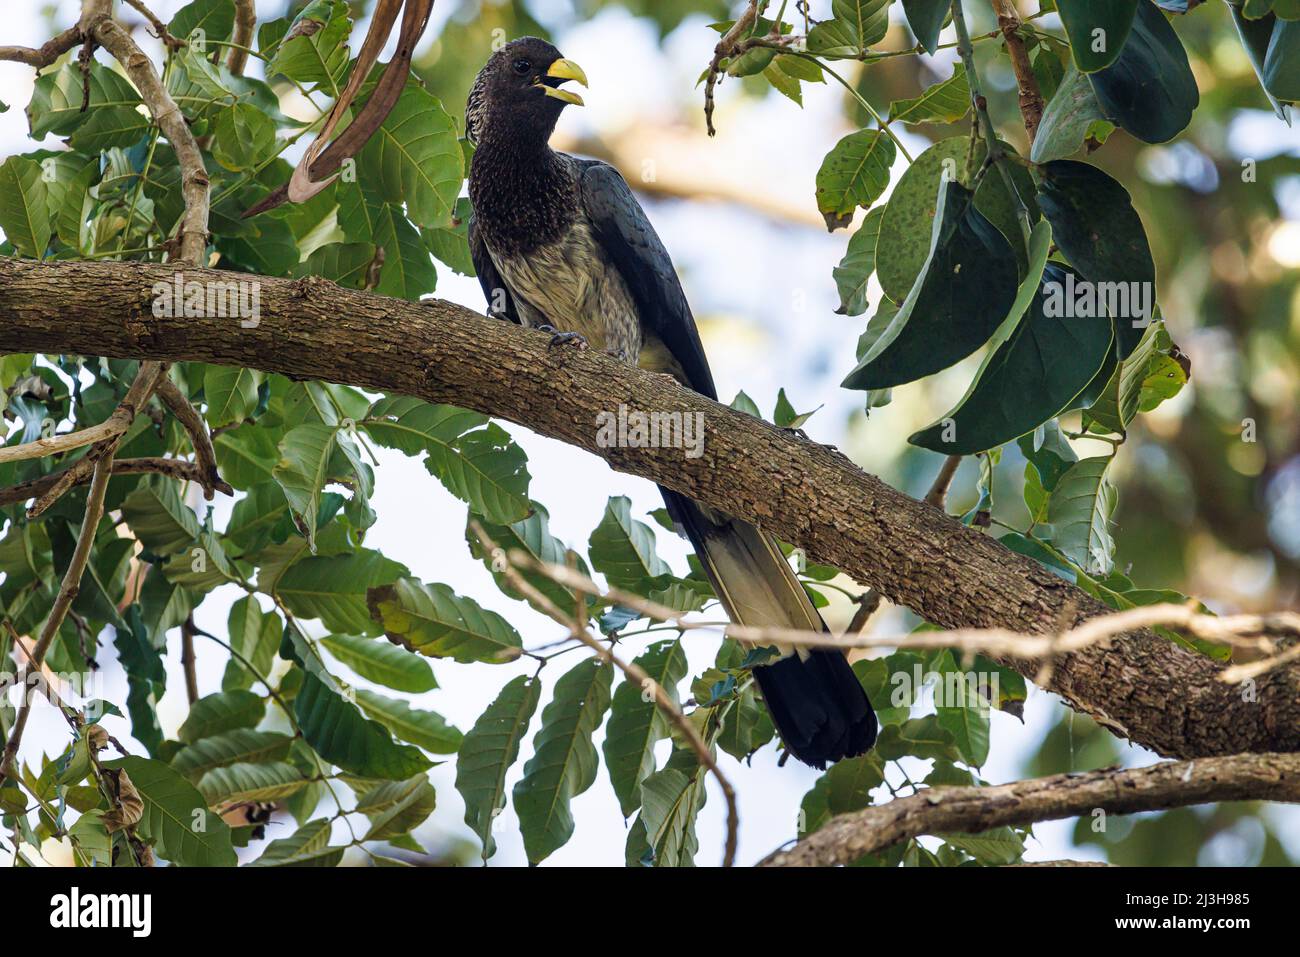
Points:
(1140, 686)
(846, 838)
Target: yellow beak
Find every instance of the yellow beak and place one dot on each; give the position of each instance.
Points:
(565, 70)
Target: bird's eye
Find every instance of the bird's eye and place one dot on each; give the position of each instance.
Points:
(522, 66)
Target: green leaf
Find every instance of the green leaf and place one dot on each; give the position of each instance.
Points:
(475, 459)
(917, 737)
(433, 620)
(24, 206)
(339, 734)
(450, 244)
(945, 102)
(216, 18)
(397, 807)
(230, 394)
(314, 51)
(857, 24)
(622, 548)
(926, 19)
(176, 818)
(407, 271)
(747, 726)
(243, 137)
(1072, 116)
(671, 800)
(1028, 379)
(110, 119)
(564, 760)
(907, 227)
(964, 714)
(487, 753)
(235, 783)
(415, 158)
(636, 722)
(220, 712)
(306, 847)
(382, 662)
(255, 636)
(859, 262)
(333, 588)
(533, 536)
(426, 729)
(1149, 90)
(238, 745)
(964, 292)
(1079, 512)
(1281, 79)
(846, 787)
(1097, 228)
(303, 470)
(1096, 29)
(854, 173)
(347, 264)
(159, 519)
(1001, 845)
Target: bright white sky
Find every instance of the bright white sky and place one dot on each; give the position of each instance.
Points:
(746, 276)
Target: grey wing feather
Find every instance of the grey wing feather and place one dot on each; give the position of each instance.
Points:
(629, 241)
(497, 293)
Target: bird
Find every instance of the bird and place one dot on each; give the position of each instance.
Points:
(561, 244)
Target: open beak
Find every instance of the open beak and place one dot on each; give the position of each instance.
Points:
(560, 71)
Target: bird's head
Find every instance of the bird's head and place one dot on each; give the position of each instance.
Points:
(518, 90)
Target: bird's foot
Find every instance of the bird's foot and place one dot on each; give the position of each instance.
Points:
(575, 339)
(796, 433)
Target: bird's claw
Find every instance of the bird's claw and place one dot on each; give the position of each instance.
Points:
(575, 339)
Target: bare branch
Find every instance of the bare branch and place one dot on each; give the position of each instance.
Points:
(848, 837)
(47, 53)
(727, 47)
(97, 21)
(578, 630)
(245, 21)
(75, 475)
(159, 28)
(1031, 98)
(938, 493)
(204, 454)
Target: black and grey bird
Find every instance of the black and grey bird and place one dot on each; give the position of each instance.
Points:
(561, 244)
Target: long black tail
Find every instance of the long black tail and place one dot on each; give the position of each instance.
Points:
(816, 701)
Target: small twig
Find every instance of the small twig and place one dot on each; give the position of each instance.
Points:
(1031, 97)
(938, 493)
(205, 455)
(245, 21)
(578, 629)
(188, 662)
(159, 28)
(727, 47)
(63, 601)
(868, 602)
(75, 474)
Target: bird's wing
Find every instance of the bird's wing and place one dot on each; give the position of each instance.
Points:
(501, 300)
(629, 242)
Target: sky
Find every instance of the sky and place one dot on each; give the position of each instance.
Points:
(762, 290)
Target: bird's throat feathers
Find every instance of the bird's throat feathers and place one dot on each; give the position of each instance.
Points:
(522, 192)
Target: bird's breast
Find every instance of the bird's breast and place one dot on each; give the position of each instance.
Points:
(569, 285)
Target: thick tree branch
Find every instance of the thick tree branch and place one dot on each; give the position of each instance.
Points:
(245, 21)
(1243, 777)
(1141, 685)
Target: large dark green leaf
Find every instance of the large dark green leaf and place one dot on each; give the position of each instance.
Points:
(1097, 29)
(25, 213)
(487, 752)
(342, 736)
(636, 722)
(216, 18)
(220, 712)
(333, 588)
(1079, 512)
(564, 760)
(1149, 90)
(238, 745)
(963, 294)
(1047, 360)
(1281, 69)
(846, 787)
(926, 18)
(1097, 228)
(415, 158)
(111, 118)
(855, 26)
(314, 51)
(1072, 116)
